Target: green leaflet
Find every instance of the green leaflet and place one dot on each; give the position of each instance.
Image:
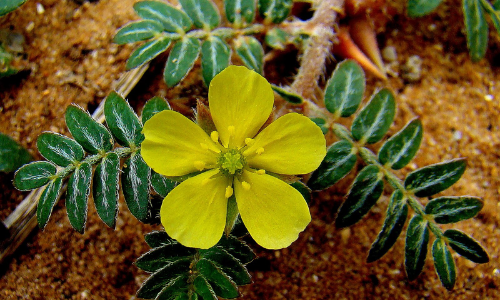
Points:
(47, 201)
(395, 219)
(287, 95)
(204, 289)
(239, 249)
(215, 57)
(34, 175)
(476, 29)
(400, 149)
(122, 121)
(204, 13)
(93, 137)
(12, 155)
(59, 149)
(339, 160)
(493, 11)
(152, 107)
(417, 238)
(420, 8)
(447, 210)
(444, 264)
(275, 11)
(321, 124)
(147, 52)
(344, 90)
(6, 6)
(160, 257)
(77, 196)
(364, 193)
(227, 264)
(374, 120)
(303, 190)
(135, 185)
(157, 239)
(221, 283)
(466, 246)
(433, 179)
(171, 277)
(172, 19)
(250, 52)
(161, 184)
(137, 31)
(277, 38)
(181, 60)
(239, 12)
(105, 188)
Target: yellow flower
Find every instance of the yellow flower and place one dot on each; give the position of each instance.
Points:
(234, 159)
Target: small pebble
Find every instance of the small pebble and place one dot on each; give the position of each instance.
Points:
(389, 54)
(40, 9)
(488, 97)
(412, 69)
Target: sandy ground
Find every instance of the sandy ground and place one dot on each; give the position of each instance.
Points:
(73, 61)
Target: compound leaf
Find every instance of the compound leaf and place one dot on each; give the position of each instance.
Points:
(365, 191)
(344, 91)
(239, 249)
(433, 179)
(181, 60)
(239, 12)
(34, 175)
(395, 219)
(135, 185)
(251, 52)
(47, 201)
(93, 137)
(122, 121)
(275, 11)
(160, 257)
(137, 31)
(417, 238)
(215, 56)
(59, 149)
(77, 196)
(339, 160)
(466, 246)
(420, 8)
(147, 52)
(105, 188)
(476, 29)
(229, 265)
(172, 19)
(204, 13)
(375, 118)
(400, 149)
(447, 210)
(172, 277)
(222, 285)
(444, 264)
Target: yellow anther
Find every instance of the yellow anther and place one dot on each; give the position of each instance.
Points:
(204, 146)
(229, 192)
(260, 151)
(214, 136)
(249, 141)
(261, 172)
(200, 165)
(245, 185)
(231, 130)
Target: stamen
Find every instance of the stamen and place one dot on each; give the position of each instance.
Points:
(245, 185)
(229, 192)
(249, 141)
(214, 136)
(261, 172)
(204, 146)
(200, 165)
(260, 151)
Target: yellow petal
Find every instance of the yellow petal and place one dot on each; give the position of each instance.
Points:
(240, 101)
(291, 145)
(194, 212)
(176, 146)
(273, 212)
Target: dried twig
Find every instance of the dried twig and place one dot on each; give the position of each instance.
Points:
(22, 221)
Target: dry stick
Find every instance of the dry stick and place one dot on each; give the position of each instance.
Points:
(21, 222)
(317, 50)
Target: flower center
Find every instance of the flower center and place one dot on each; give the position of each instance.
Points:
(231, 162)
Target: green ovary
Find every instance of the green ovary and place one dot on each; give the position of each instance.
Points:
(231, 162)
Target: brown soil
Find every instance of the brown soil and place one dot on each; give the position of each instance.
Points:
(73, 61)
